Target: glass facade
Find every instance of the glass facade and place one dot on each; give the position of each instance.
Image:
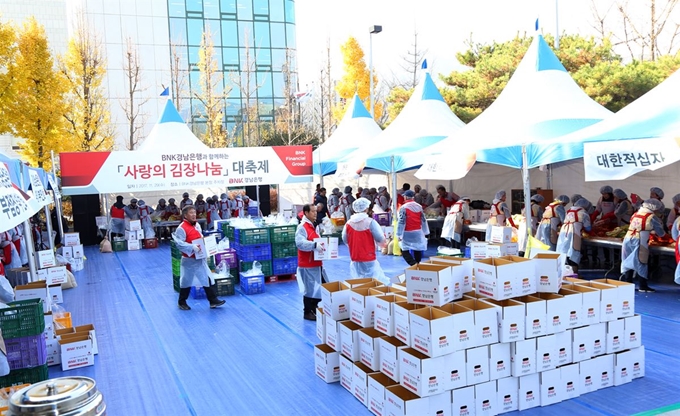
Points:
(265, 27)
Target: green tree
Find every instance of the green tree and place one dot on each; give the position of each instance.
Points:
(356, 79)
(37, 116)
(8, 52)
(84, 68)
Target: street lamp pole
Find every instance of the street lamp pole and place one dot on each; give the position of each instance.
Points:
(373, 29)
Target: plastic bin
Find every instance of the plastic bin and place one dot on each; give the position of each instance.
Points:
(283, 250)
(150, 242)
(266, 266)
(65, 320)
(22, 318)
(252, 285)
(257, 252)
(175, 283)
(26, 352)
(229, 255)
(197, 292)
(25, 376)
(286, 265)
(224, 286)
(384, 218)
(253, 211)
(119, 245)
(251, 236)
(282, 234)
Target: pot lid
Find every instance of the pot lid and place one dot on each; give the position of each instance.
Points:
(63, 394)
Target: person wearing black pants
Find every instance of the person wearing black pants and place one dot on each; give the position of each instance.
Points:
(309, 271)
(412, 229)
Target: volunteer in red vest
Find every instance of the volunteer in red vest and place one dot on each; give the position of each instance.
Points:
(569, 241)
(454, 223)
(346, 201)
(145, 212)
(400, 194)
(635, 248)
(623, 207)
(20, 242)
(412, 229)
(310, 272)
(213, 211)
(675, 211)
(499, 214)
(553, 216)
(361, 234)
(118, 217)
(225, 207)
(237, 207)
(10, 255)
(445, 200)
(675, 233)
(193, 271)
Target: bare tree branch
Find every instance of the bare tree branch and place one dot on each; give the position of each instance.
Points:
(132, 104)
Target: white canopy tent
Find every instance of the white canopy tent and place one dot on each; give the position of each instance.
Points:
(171, 134)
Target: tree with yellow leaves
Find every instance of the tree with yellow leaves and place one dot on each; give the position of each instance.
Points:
(211, 95)
(37, 115)
(355, 80)
(7, 56)
(84, 67)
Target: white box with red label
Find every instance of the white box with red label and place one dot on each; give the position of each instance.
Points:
(432, 331)
(429, 284)
(327, 363)
(389, 356)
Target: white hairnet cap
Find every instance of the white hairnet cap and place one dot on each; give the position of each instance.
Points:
(575, 198)
(676, 198)
(583, 203)
(652, 204)
(657, 191)
(563, 199)
(538, 198)
(606, 189)
(361, 205)
(500, 194)
(619, 193)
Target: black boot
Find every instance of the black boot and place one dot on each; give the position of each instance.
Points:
(309, 308)
(627, 276)
(406, 254)
(644, 286)
(183, 296)
(215, 302)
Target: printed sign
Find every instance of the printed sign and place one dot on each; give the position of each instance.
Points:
(54, 186)
(14, 207)
(106, 172)
(38, 189)
(621, 159)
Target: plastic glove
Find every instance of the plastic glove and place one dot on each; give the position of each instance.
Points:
(319, 248)
(593, 216)
(197, 248)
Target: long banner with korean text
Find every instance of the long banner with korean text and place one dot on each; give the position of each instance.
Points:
(111, 172)
(620, 159)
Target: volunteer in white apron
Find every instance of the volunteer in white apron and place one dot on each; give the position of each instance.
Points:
(623, 208)
(552, 218)
(576, 221)
(145, 219)
(536, 212)
(412, 229)
(454, 223)
(225, 207)
(499, 214)
(675, 211)
(361, 234)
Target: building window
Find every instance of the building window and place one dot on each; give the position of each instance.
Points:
(276, 11)
(228, 6)
(245, 10)
(194, 5)
(262, 35)
(176, 8)
(211, 9)
(290, 11)
(194, 31)
(229, 33)
(178, 31)
(278, 35)
(213, 26)
(290, 36)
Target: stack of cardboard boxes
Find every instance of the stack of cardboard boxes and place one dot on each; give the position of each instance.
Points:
(73, 251)
(516, 336)
(134, 234)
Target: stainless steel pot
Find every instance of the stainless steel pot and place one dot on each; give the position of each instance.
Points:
(65, 396)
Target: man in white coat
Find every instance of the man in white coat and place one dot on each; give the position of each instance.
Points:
(361, 234)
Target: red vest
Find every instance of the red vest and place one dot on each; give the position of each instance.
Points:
(192, 234)
(117, 213)
(412, 219)
(447, 202)
(361, 244)
(306, 258)
(143, 212)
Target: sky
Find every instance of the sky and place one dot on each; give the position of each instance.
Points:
(443, 27)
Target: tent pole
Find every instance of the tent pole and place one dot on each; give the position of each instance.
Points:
(548, 175)
(108, 218)
(57, 201)
(527, 192)
(48, 221)
(30, 247)
(394, 187)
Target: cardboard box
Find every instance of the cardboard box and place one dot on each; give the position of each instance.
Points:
(207, 246)
(55, 294)
(421, 374)
(53, 351)
(526, 283)
(56, 275)
(77, 264)
(546, 353)
(455, 371)
(369, 348)
(130, 235)
(501, 234)
(549, 272)
(389, 356)
(589, 372)
(133, 245)
(140, 235)
(609, 300)
(486, 214)
(320, 325)
(89, 330)
(523, 357)
(361, 307)
(349, 339)
(35, 290)
(535, 316)
(463, 326)
(485, 398)
(333, 333)
(507, 390)
(551, 387)
(67, 252)
(615, 336)
(599, 337)
(346, 372)
(623, 364)
(605, 365)
(49, 326)
(486, 321)
(626, 296)
(478, 250)
(429, 284)
(638, 362)
(360, 282)
(402, 320)
(330, 248)
(46, 259)
(384, 313)
(502, 249)
(563, 346)
(71, 239)
(335, 300)
(500, 364)
(133, 225)
(477, 365)
(475, 215)
(402, 402)
(76, 352)
(581, 344)
(529, 392)
(78, 251)
(633, 332)
(463, 402)
(557, 312)
(467, 267)
(574, 308)
(360, 382)
(510, 315)
(432, 331)
(590, 301)
(570, 380)
(497, 278)
(377, 384)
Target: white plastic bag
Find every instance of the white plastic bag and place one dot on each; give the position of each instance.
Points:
(6, 291)
(223, 245)
(255, 271)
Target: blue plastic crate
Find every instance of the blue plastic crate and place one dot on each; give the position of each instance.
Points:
(253, 211)
(287, 265)
(197, 292)
(252, 285)
(259, 252)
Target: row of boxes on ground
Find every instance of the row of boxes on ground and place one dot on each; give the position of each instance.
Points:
(380, 352)
(483, 321)
(72, 347)
(383, 396)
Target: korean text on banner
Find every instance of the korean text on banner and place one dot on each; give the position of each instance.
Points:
(104, 172)
(38, 189)
(621, 159)
(54, 186)
(14, 208)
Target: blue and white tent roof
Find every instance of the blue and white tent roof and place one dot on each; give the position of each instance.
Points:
(426, 119)
(356, 129)
(170, 132)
